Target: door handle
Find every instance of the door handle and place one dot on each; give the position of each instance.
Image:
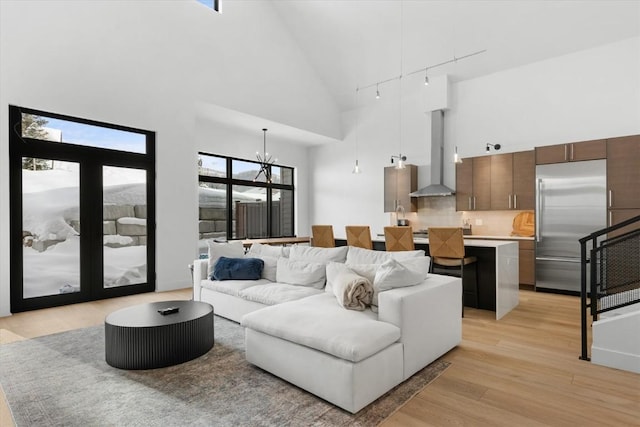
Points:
(610, 218)
(509, 201)
(556, 259)
(469, 202)
(565, 152)
(539, 210)
(571, 158)
(610, 198)
(515, 201)
(474, 203)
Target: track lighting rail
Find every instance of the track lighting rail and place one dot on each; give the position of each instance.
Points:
(420, 70)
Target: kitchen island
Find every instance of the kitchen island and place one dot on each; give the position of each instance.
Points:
(498, 283)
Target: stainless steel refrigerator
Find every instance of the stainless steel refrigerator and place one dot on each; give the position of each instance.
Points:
(571, 203)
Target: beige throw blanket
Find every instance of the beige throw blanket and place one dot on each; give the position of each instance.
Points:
(352, 291)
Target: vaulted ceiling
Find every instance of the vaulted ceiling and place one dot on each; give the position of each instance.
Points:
(356, 43)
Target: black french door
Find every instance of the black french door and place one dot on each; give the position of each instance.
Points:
(82, 210)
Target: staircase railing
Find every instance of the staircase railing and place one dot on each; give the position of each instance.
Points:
(613, 278)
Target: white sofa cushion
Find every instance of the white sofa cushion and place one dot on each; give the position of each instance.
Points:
(232, 249)
(232, 287)
(270, 265)
(301, 273)
(320, 323)
(277, 293)
(315, 254)
(393, 274)
(368, 256)
(274, 251)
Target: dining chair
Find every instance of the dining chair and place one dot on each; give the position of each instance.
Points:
(446, 248)
(398, 238)
(322, 236)
(359, 236)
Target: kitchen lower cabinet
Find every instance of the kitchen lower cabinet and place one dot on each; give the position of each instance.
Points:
(616, 216)
(527, 262)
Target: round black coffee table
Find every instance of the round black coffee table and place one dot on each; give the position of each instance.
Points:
(139, 337)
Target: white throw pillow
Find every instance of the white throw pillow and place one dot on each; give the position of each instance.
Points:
(233, 249)
(315, 254)
(419, 265)
(268, 250)
(392, 274)
(301, 273)
(270, 266)
(368, 256)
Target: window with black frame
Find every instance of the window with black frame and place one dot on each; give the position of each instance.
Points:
(237, 202)
(82, 209)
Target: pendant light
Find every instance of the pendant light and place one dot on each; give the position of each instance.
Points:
(356, 168)
(265, 159)
(401, 159)
(456, 158)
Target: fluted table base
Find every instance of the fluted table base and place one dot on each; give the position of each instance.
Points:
(139, 337)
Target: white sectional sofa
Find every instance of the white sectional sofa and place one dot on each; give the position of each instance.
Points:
(302, 334)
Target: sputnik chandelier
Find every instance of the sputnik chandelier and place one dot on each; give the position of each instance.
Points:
(265, 159)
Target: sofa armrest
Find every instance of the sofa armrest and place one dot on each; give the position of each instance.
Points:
(429, 316)
(200, 268)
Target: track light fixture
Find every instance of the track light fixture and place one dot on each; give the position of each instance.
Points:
(420, 70)
(495, 147)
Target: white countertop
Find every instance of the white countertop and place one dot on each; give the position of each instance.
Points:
(478, 242)
(479, 236)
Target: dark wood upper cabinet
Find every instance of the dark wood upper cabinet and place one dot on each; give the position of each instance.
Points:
(513, 181)
(482, 183)
(572, 152)
(501, 181)
(473, 184)
(623, 172)
(464, 185)
(524, 180)
(398, 183)
(497, 182)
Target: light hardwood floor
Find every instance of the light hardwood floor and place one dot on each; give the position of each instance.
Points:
(519, 371)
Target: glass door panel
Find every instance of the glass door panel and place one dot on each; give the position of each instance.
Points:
(124, 226)
(50, 227)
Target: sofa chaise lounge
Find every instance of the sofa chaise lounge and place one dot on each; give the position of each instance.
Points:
(302, 334)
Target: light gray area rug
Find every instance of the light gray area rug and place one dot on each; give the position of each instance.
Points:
(63, 380)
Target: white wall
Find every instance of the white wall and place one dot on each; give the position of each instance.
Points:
(148, 65)
(585, 95)
(611, 344)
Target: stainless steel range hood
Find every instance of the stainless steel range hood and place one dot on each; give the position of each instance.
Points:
(437, 159)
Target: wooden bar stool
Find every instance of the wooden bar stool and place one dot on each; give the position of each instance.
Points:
(398, 238)
(359, 236)
(322, 236)
(446, 248)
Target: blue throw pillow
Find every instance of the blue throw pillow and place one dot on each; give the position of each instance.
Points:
(238, 269)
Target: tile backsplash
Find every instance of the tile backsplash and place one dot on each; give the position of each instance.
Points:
(441, 211)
